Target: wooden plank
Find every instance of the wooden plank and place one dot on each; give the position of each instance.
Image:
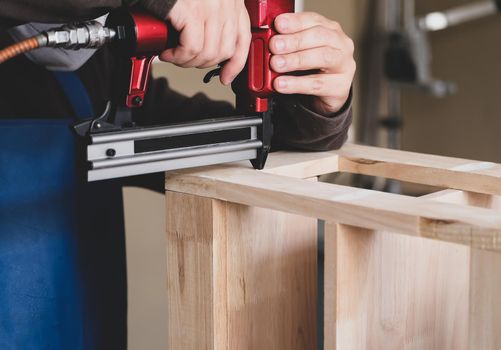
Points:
(485, 279)
(272, 279)
(485, 287)
(485, 298)
(331, 286)
(239, 277)
(357, 207)
(447, 172)
(302, 165)
(394, 292)
(197, 315)
(439, 171)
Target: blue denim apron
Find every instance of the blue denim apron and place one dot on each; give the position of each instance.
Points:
(62, 250)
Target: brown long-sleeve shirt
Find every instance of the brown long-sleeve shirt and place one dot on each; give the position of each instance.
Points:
(60, 11)
(30, 91)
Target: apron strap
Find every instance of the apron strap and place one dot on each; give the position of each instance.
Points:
(76, 93)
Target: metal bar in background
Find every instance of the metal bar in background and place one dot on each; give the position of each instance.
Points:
(462, 14)
(299, 5)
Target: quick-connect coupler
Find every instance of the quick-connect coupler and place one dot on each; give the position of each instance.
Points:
(86, 35)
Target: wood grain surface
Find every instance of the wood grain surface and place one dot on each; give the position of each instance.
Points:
(239, 277)
(478, 227)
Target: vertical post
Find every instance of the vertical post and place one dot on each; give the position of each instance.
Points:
(197, 315)
(485, 287)
(239, 277)
(394, 291)
(330, 286)
(485, 297)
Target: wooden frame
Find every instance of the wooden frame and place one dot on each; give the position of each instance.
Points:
(242, 254)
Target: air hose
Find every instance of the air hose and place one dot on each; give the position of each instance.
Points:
(87, 35)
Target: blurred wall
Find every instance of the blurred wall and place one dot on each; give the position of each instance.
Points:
(468, 123)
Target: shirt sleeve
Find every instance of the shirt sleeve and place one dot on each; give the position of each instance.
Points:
(61, 11)
(159, 8)
(299, 127)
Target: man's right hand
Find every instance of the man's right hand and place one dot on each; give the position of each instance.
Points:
(211, 32)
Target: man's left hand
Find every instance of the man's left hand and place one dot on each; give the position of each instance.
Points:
(308, 41)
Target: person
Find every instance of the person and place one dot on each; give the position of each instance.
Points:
(62, 255)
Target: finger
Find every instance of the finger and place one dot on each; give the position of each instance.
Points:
(226, 46)
(237, 62)
(308, 39)
(191, 43)
(210, 50)
(325, 58)
(321, 85)
(289, 23)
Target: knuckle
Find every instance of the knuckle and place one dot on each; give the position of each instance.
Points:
(299, 61)
(353, 67)
(324, 34)
(227, 53)
(336, 26)
(315, 16)
(297, 42)
(351, 45)
(209, 55)
(329, 57)
(194, 49)
(317, 85)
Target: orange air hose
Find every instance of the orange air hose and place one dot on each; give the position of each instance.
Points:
(20, 48)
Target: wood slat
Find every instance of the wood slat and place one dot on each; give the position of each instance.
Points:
(440, 171)
(447, 172)
(234, 273)
(302, 165)
(476, 227)
(197, 308)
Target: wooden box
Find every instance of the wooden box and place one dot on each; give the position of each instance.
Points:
(400, 272)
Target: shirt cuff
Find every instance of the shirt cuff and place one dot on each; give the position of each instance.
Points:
(347, 106)
(300, 127)
(161, 8)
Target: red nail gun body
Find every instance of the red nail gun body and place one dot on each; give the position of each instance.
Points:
(117, 148)
(259, 75)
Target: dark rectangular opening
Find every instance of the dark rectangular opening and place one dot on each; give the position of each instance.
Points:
(193, 140)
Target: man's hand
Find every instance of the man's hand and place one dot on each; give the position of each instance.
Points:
(211, 32)
(309, 41)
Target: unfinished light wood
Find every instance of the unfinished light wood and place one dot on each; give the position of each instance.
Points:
(302, 165)
(357, 207)
(447, 172)
(485, 292)
(197, 314)
(394, 292)
(425, 169)
(386, 287)
(239, 277)
(387, 291)
(485, 279)
(272, 279)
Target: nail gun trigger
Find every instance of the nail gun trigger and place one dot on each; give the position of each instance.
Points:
(213, 73)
